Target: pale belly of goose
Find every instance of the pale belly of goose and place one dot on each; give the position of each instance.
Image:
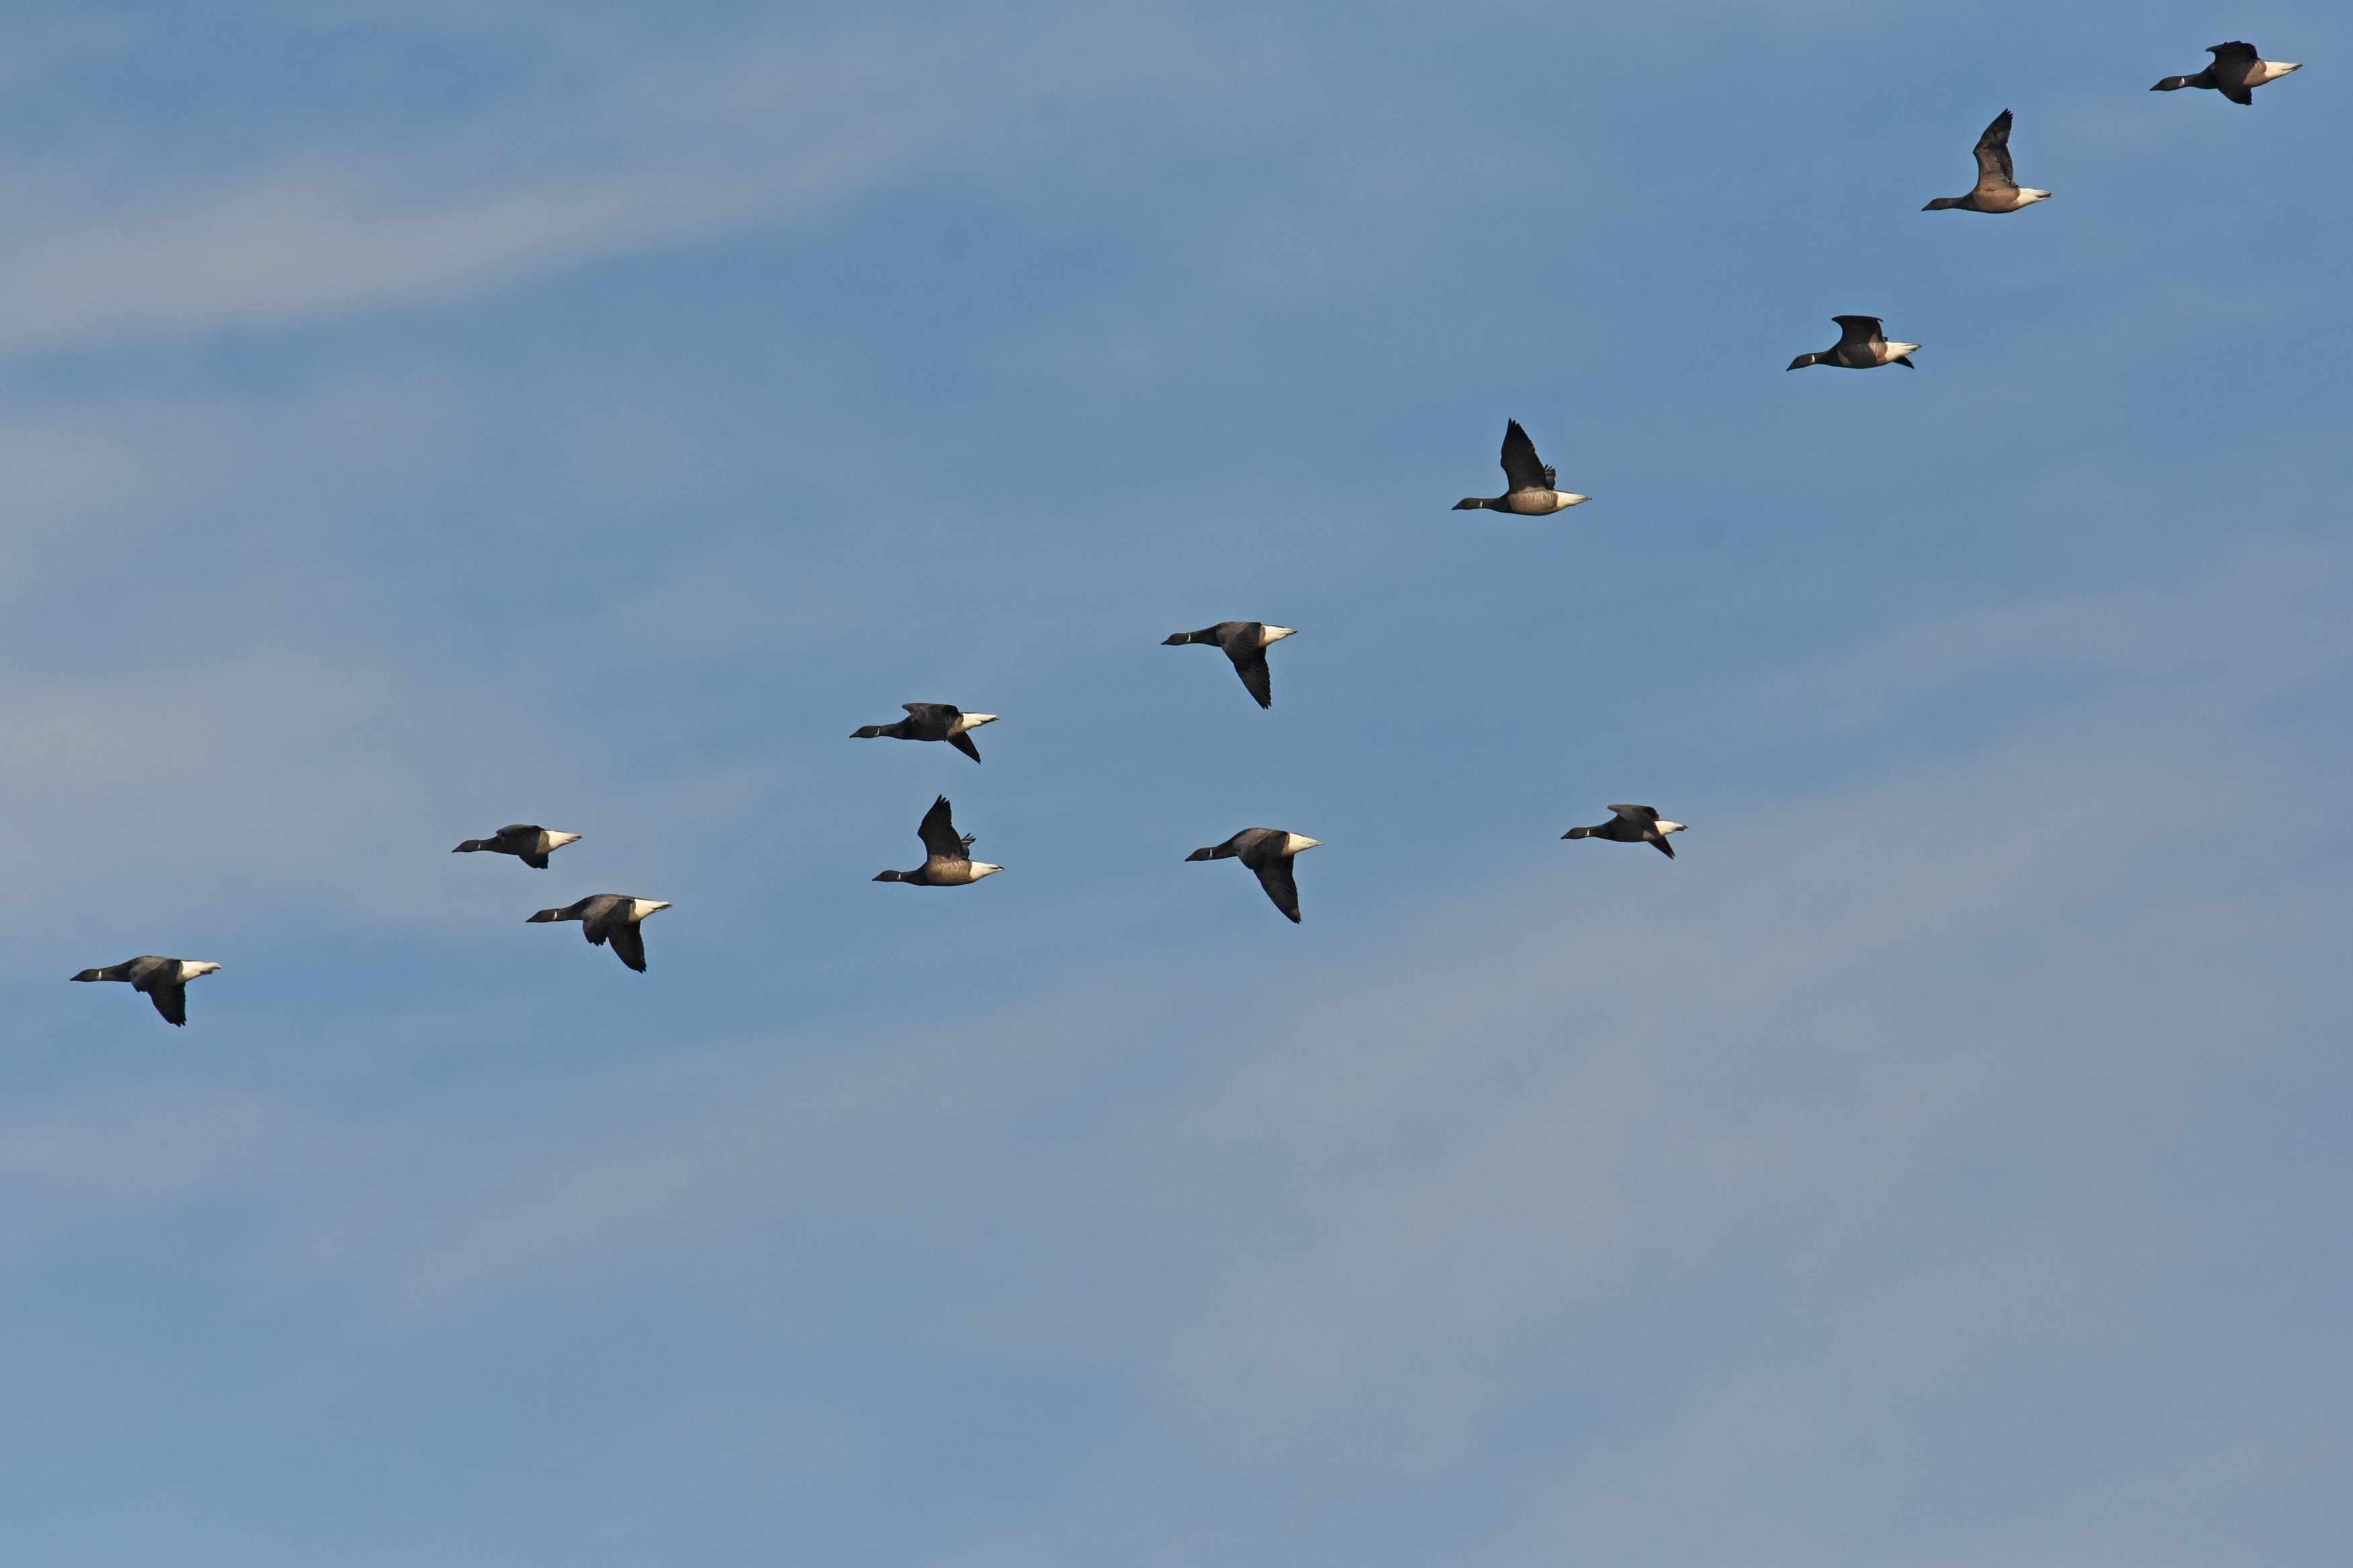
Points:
(1539, 503)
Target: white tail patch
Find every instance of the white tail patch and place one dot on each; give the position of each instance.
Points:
(1292, 843)
(1564, 500)
(2274, 70)
(1895, 350)
(640, 908)
(558, 840)
(971, 722)
(1666, 828)
(1271, 635)
(190, 968)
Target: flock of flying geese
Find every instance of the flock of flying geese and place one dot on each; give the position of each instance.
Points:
(1530, 489)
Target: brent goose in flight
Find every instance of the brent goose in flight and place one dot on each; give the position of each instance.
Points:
(165, 981)
(609, 917)
(1268, 852)
(1860, 346)
(1245, 643)
(931, 722)
(947, 859)
(527, 841)
(2236, 72)
(1528, 483)
(1634, 825)
(1998, 190)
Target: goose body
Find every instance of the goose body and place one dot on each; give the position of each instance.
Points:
(1267, 851)
(164, 981)
(1530, 487)
(1860, 346)
(931, 722)
(527, 841)
(1634, 825)
(947, 855)
(608, 918)
(1998, 190)
(2236, 72)
(1245, 643)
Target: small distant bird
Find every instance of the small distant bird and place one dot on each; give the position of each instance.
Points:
(1245, 643)
(1268, 852)
(1634, 825)
(609, 917)
(1529, 489)
(1998, 190)
(2236, 72)
(931, 722)
(947, 859)
(527, 841)
(165, 981)
(1860, 346)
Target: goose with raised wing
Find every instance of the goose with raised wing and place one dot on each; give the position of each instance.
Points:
(1860, 346)
(609, 917)
(2236, 72)
(947, 854)
(1530, 484)
(1998, 190)
(163, 980)
(1268, 851)
(1634, 825)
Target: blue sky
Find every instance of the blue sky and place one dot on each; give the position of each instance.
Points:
(419, 417)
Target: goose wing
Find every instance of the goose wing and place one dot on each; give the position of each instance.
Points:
(938, 832)
(1249, 663)
(2237, 52)
(629, 944)
(171, 999)
(933, 712)
(1274, 876)
(1993, 156)
(1640, 815)
(1523, 469)
(1858, 332)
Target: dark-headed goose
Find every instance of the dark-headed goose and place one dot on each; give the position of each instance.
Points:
(1860, 346)
(1998, 190)
(527, 841)
(1245, 643)
(609, 917)
(1528, 483)
(2236, 72)
(1268, 852)
(931, 722)
(164, 980)
(1634, 825)
(947, 857)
